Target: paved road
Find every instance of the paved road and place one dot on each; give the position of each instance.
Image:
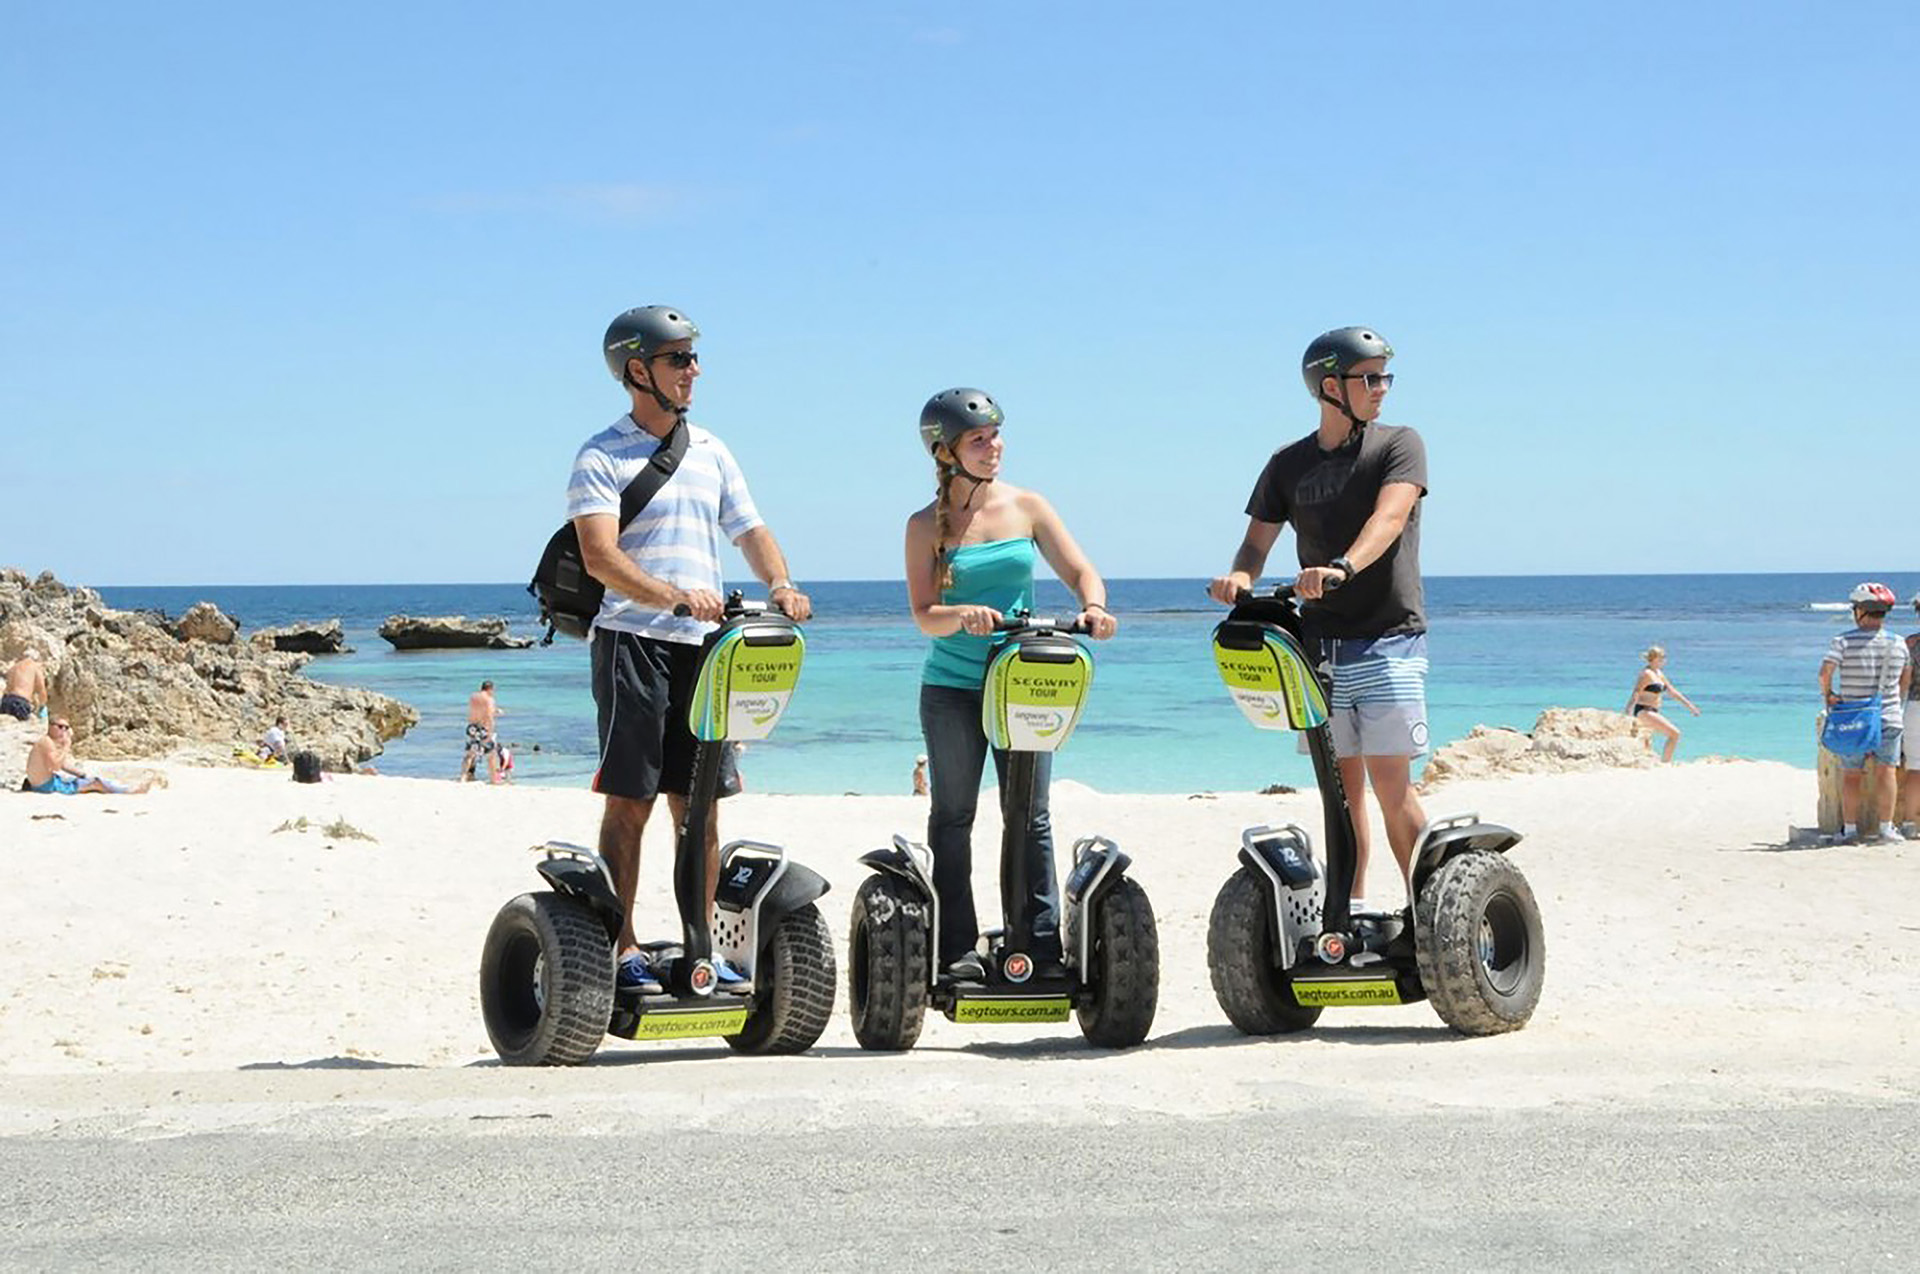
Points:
(1806, 1186)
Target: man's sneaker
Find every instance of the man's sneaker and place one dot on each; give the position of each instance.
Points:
(1888, 835)
(635, 974)
(729, 979)
(968, 968)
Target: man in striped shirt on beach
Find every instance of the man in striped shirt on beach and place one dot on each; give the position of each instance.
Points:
(1352, 490)
(1865, 662)
(645, 658)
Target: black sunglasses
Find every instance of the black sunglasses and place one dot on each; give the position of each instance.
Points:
(1372, 380)
(680, 359)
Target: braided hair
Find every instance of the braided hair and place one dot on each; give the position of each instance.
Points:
(943, 523)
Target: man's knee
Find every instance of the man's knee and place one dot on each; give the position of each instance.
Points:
(625, 815)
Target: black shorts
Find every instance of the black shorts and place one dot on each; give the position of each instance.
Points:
(641, 687)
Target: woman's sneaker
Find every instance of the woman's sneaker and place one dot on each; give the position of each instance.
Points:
(968, 968)
(635, 974)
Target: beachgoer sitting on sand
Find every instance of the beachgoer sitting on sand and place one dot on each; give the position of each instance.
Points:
(482, 712)
(26, 690)
(273, 744)
(1643, 703)
(920, 775)
(51, 772)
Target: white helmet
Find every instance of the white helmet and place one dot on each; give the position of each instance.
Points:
(1873, 597)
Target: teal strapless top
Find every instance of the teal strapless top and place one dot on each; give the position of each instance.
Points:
(999, 574)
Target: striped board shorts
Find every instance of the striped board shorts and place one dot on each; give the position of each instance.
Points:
(1379, 697)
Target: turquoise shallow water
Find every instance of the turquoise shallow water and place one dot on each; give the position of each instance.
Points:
(1746, 648)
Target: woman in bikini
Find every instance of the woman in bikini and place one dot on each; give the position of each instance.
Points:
(1643, 705)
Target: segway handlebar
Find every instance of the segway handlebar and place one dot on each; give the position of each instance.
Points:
(1278, 593)
(736, 606)
(1020, 621)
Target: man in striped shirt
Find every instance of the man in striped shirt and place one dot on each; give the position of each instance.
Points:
(1864, 662)
(645, 658)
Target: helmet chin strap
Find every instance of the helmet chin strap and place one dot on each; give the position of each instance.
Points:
(1346, 409)
(666, 403)
(963, 471)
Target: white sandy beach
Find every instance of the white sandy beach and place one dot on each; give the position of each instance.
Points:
(174, 961)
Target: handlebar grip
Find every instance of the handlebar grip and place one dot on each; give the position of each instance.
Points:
(682, 610)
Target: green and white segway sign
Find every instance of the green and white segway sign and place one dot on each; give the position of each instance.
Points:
(1035, 689)
(746, 682)
(1273, 683)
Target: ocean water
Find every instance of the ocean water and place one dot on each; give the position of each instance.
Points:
(1745, 648)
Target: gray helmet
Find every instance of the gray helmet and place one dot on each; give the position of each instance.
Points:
(952, 412)
(1336, 352)
(639, 332)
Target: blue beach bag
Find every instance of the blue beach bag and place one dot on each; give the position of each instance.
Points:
(1852, 731)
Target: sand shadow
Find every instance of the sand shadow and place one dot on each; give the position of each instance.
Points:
(1322, 1033)
(333, 1064)
(661, 1055)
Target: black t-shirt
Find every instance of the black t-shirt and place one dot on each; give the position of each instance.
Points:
(1328, 496)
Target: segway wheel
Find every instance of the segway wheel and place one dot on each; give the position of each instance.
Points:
(792, 987)
(546, 981)
(887, 964)
(1254, 991)
(1124, 969)
(1481, 951)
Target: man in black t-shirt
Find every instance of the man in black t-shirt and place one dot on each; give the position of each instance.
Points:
(1352, 491)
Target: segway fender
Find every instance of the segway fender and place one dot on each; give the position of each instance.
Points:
(898, 860)
(582, 874)
(1098, 864)
(796, 887)
(1447, 838)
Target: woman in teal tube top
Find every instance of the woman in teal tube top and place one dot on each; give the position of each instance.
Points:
(970, 557)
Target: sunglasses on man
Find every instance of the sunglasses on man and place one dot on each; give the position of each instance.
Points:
(679, 359)
(1372, 380)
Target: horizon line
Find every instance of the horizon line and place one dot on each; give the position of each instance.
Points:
(895, 579)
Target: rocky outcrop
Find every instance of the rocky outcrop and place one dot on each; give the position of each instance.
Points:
(1563, 739)
(206, 622)
(449, 632)
(327, 638)
(132, 688)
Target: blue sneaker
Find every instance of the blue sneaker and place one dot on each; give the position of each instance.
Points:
(635, 974)
(728, 977)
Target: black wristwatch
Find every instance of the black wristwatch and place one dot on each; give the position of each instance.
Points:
(1342, 564)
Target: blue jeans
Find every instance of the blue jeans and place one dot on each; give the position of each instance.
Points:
(956, 755)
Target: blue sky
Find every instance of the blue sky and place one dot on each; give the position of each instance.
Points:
(315, 295)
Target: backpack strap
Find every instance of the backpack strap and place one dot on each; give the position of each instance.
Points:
(660, 466)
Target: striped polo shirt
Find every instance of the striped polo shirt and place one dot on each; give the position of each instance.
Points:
(1870, 664)
(676, 538)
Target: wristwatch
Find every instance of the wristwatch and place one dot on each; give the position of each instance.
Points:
(1343, 565)
(778, 585)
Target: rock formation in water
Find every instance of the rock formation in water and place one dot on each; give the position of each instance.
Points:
(138, 686)
(449, 632)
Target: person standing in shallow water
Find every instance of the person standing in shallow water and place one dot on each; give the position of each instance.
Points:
(1643, 704)
(970, 557)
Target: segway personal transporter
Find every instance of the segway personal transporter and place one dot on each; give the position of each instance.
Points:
(1283, 942)
(1036, 684)
(547, 986)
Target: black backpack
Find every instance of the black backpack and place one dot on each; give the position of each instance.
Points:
(569, 597)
